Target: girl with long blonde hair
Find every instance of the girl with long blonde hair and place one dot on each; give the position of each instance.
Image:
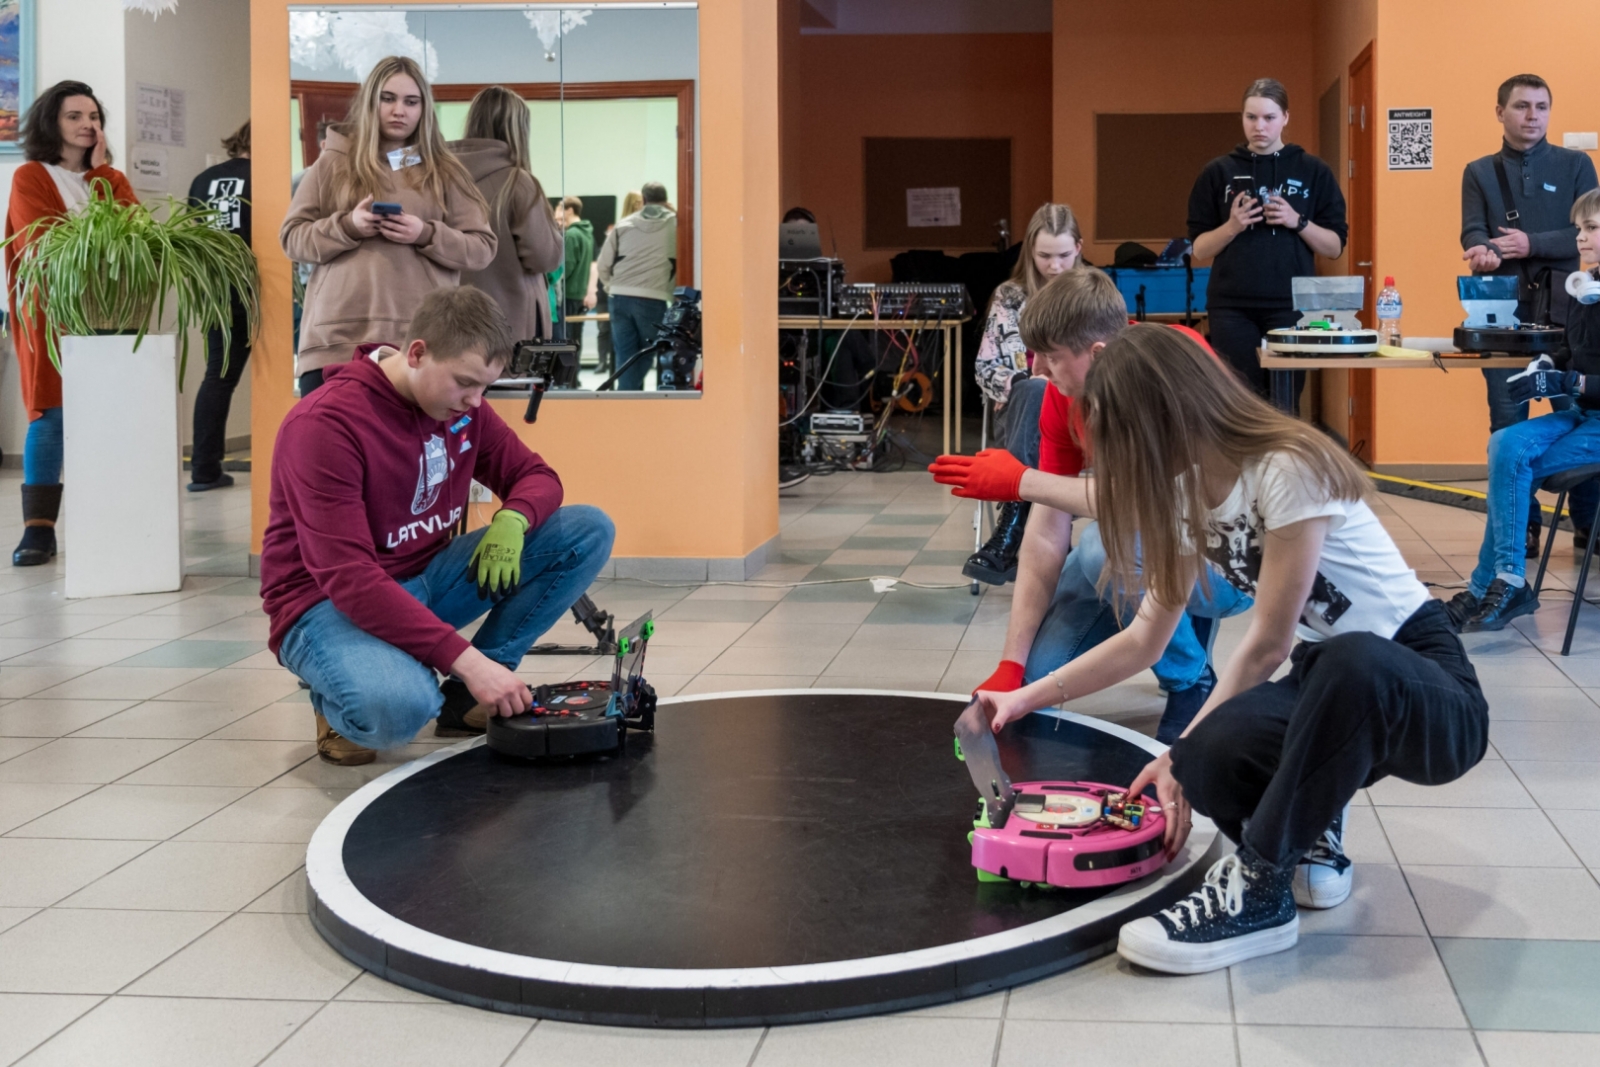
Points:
(495, 153)
(1199, 481)
(1051, 246)
(387, 214)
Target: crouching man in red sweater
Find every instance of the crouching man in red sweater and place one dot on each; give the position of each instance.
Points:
(361, 576)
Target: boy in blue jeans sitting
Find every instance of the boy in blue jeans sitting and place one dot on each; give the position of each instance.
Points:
(1523, 454)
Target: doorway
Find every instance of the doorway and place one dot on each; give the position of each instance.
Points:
(1362, 118)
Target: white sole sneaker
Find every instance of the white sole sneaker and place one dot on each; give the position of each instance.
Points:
(1145, 942)
(1319, 887)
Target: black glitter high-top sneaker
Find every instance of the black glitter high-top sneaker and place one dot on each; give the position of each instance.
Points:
(1242, 910)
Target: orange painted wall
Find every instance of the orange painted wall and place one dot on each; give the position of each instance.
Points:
(681, 477)
(1425, 417)
(1167, 56)
(839, 89)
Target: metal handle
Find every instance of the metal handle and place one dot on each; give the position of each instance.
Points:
(1368, 263)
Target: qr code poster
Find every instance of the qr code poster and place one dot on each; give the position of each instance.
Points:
(1411, 138)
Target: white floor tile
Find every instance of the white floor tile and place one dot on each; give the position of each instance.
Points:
(289, 816)
(1030, 1042)
(193, 876)
(89, 951)
(883, 1042)
(237, 763)
(132, 812)
(257, 956)
(1539, 1050)
(1324, 1046)
(1462, 836)
(37, 874)
(31, 717)
(22, 802)
(1082, 993)
(84, 760)
(558, 1044)
(1555, 903)
(1336, 980)
(183, 719)
(1491, 784)
(150, 1032)
(29, 1019)
(1379, 904)
(403, 1035)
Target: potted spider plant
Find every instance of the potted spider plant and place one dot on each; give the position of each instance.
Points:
(100, 283)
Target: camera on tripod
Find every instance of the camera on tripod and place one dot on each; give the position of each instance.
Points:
(540, 365)
(676, 349)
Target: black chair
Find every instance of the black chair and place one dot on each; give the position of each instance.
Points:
(1561, 484)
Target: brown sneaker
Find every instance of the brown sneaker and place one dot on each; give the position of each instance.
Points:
(340, 750)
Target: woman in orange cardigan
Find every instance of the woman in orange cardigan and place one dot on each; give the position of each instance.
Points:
(64, 138)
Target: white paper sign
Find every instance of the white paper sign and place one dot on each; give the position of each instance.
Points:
(159, 115)
(1411, 138)
(147, 167)
(934, 207)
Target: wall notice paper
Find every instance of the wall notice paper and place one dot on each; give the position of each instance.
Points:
(1411, 138)
(159, 115)
(934, 207)
(147, 167)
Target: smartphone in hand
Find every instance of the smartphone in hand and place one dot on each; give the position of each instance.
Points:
(386, 209)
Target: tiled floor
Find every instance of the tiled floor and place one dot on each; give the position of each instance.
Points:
(158, 785)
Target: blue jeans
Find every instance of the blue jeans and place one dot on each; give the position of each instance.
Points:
(1520, 456)
(378, 696)
(1503, 412)
(635, 323)
(1079, 619)
(41, 450)
(1018, 422)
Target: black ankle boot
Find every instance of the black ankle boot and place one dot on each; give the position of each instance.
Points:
(41, 505)
(996, 562)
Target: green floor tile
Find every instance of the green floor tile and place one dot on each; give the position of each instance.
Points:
(1525, 985)
(804, 555)
(195, 654)
(940, 557)
(845, 509)
(894, 519)
(886, 544)
(834, 571)
(844, 592)
(908, 605)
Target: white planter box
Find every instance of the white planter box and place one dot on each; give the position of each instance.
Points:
(124, 465)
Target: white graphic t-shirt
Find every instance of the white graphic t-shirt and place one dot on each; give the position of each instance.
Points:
(1362, 583)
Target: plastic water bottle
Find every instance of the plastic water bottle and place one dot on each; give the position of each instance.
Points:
(1389, 314)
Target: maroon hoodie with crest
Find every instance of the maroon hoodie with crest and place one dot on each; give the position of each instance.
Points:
(366, 489)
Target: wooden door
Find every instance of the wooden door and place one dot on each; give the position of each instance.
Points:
(1363, 240)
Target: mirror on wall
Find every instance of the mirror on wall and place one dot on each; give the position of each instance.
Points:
(612, 118)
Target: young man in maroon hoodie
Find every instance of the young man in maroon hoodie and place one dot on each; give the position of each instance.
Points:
(360, 574)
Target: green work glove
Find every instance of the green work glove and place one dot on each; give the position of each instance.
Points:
(496, 564)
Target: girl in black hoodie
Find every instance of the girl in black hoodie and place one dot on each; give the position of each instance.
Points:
(1263, 212)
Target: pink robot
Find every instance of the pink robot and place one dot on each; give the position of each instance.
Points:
(1079, 835)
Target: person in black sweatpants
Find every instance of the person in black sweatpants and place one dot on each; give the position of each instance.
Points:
(1274, 766)
(215, 398)
(225, 189)
(1197, 479)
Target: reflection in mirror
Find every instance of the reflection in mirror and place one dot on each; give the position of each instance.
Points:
(612, 120)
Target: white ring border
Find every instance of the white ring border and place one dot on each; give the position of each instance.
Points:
(331, 886)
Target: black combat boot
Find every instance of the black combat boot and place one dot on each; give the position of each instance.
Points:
(41, 505)
(996, 562)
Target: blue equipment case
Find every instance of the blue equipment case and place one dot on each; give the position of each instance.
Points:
(1161, 290)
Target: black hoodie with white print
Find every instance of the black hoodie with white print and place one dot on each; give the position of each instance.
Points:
(1254, 270)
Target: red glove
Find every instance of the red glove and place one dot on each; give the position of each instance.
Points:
(993, 474)
(1006, 678)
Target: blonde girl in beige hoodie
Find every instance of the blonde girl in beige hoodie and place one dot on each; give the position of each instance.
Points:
(372, 270)
(495, 153)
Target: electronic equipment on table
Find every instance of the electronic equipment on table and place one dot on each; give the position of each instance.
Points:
(1078, 835)
(576, 718)
(809, 286)
(538, 366)
(1490, 301)
(1329, 325)
(904, 300)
